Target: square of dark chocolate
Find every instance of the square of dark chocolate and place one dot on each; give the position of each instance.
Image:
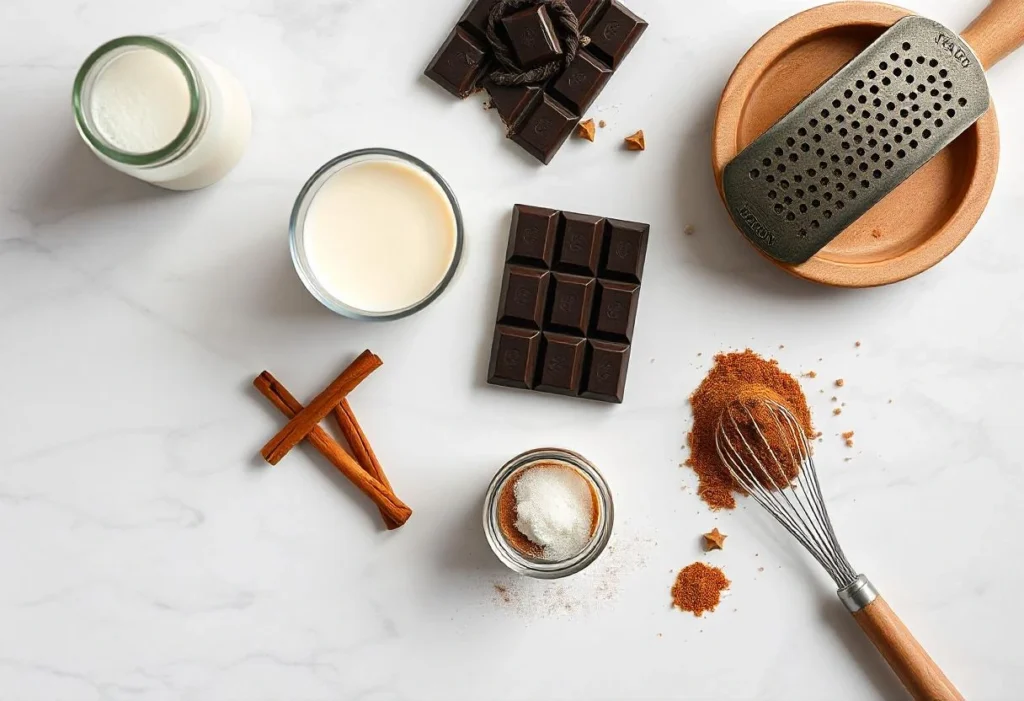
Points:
(532, 35)
(524, 294)
(615, 311)
(626, 252)
(583, 9)
(572, 298)
(615, 33)
(581, 242)
(514, 357)
(458, 64)
(580, 83)
(532, 241)
(511, 102)
(605, 375)
(544, 130)
(477, 15)
(560, 364)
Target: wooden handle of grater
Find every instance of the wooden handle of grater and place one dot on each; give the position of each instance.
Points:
(918, 672)
(997, 32)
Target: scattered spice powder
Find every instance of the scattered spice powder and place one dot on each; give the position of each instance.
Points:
(698, 588)
(811, 374)
(848, 437)
(735, 376)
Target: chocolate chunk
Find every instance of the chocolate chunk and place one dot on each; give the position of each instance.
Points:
(627, 250)
(568, 303)
(614, 35)
(560, 369)
(571, 300)
(580, 83)
(539, 117)
(458, 64)
(514, 357)
(605, 376)
(524, 295)
(532, 36)
(512, 102)
(545, 130)
(615, 311)
(476, 16)
(532, 242)
(582, 237)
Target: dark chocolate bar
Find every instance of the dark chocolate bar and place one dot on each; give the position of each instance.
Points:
(569, 299)
(539, 117)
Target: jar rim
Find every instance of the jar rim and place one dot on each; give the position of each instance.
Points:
(192, 80)
(539, 569)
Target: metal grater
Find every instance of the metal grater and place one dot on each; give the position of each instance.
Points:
(855, 139)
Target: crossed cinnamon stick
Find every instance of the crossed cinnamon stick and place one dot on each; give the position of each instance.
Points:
(364, 470)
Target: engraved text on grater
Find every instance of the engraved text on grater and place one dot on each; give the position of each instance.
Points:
(958, 52)
(756, 227)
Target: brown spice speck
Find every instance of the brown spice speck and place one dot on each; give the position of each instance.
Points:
(811, 374)
(636, 142)
(837, 411)
(690, 230)
(585, 130)
(840, 382)
(602, 124)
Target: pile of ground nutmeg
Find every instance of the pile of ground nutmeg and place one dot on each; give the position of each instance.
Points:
(739, 377)
(698, 588)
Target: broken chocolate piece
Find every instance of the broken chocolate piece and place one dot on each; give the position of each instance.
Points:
(532, 35)
(539, 117)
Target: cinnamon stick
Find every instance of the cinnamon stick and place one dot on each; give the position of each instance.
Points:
(390, 505)
(306, 419)
(361, 449)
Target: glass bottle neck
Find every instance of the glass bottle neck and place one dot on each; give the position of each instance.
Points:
(85, 106)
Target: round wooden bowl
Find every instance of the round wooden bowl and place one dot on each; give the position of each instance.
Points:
(920, 222)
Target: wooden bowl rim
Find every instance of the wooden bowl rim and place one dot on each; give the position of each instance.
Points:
(764, 53)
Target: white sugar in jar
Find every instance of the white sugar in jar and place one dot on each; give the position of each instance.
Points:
(161, 112)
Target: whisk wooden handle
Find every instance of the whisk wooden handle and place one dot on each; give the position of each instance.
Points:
(918, 672)
(997, 32)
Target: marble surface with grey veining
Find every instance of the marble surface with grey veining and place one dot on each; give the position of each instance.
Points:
(146, 553)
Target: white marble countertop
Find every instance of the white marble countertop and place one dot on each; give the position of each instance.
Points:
(146, 553)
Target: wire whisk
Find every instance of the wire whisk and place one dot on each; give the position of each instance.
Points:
(763, 468)
(768, 454)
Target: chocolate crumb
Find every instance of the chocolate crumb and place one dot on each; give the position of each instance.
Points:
(636, 142)
(586, 130)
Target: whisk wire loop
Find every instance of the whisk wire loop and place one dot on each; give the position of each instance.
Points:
(796, 503)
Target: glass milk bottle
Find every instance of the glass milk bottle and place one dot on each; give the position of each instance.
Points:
(161, 113)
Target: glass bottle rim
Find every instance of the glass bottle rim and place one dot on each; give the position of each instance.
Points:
(192, 80)
(297, 221)
(539, 569)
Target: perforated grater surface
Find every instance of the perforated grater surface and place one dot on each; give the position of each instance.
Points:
(855, 139)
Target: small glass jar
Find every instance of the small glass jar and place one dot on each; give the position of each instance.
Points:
(536, 567)
(297, 232)
(217, 122)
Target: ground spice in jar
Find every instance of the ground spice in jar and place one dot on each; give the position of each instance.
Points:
(698, 588)
(739, 376)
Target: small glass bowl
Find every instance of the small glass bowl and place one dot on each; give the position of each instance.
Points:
(546, 569)
(298, 220)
